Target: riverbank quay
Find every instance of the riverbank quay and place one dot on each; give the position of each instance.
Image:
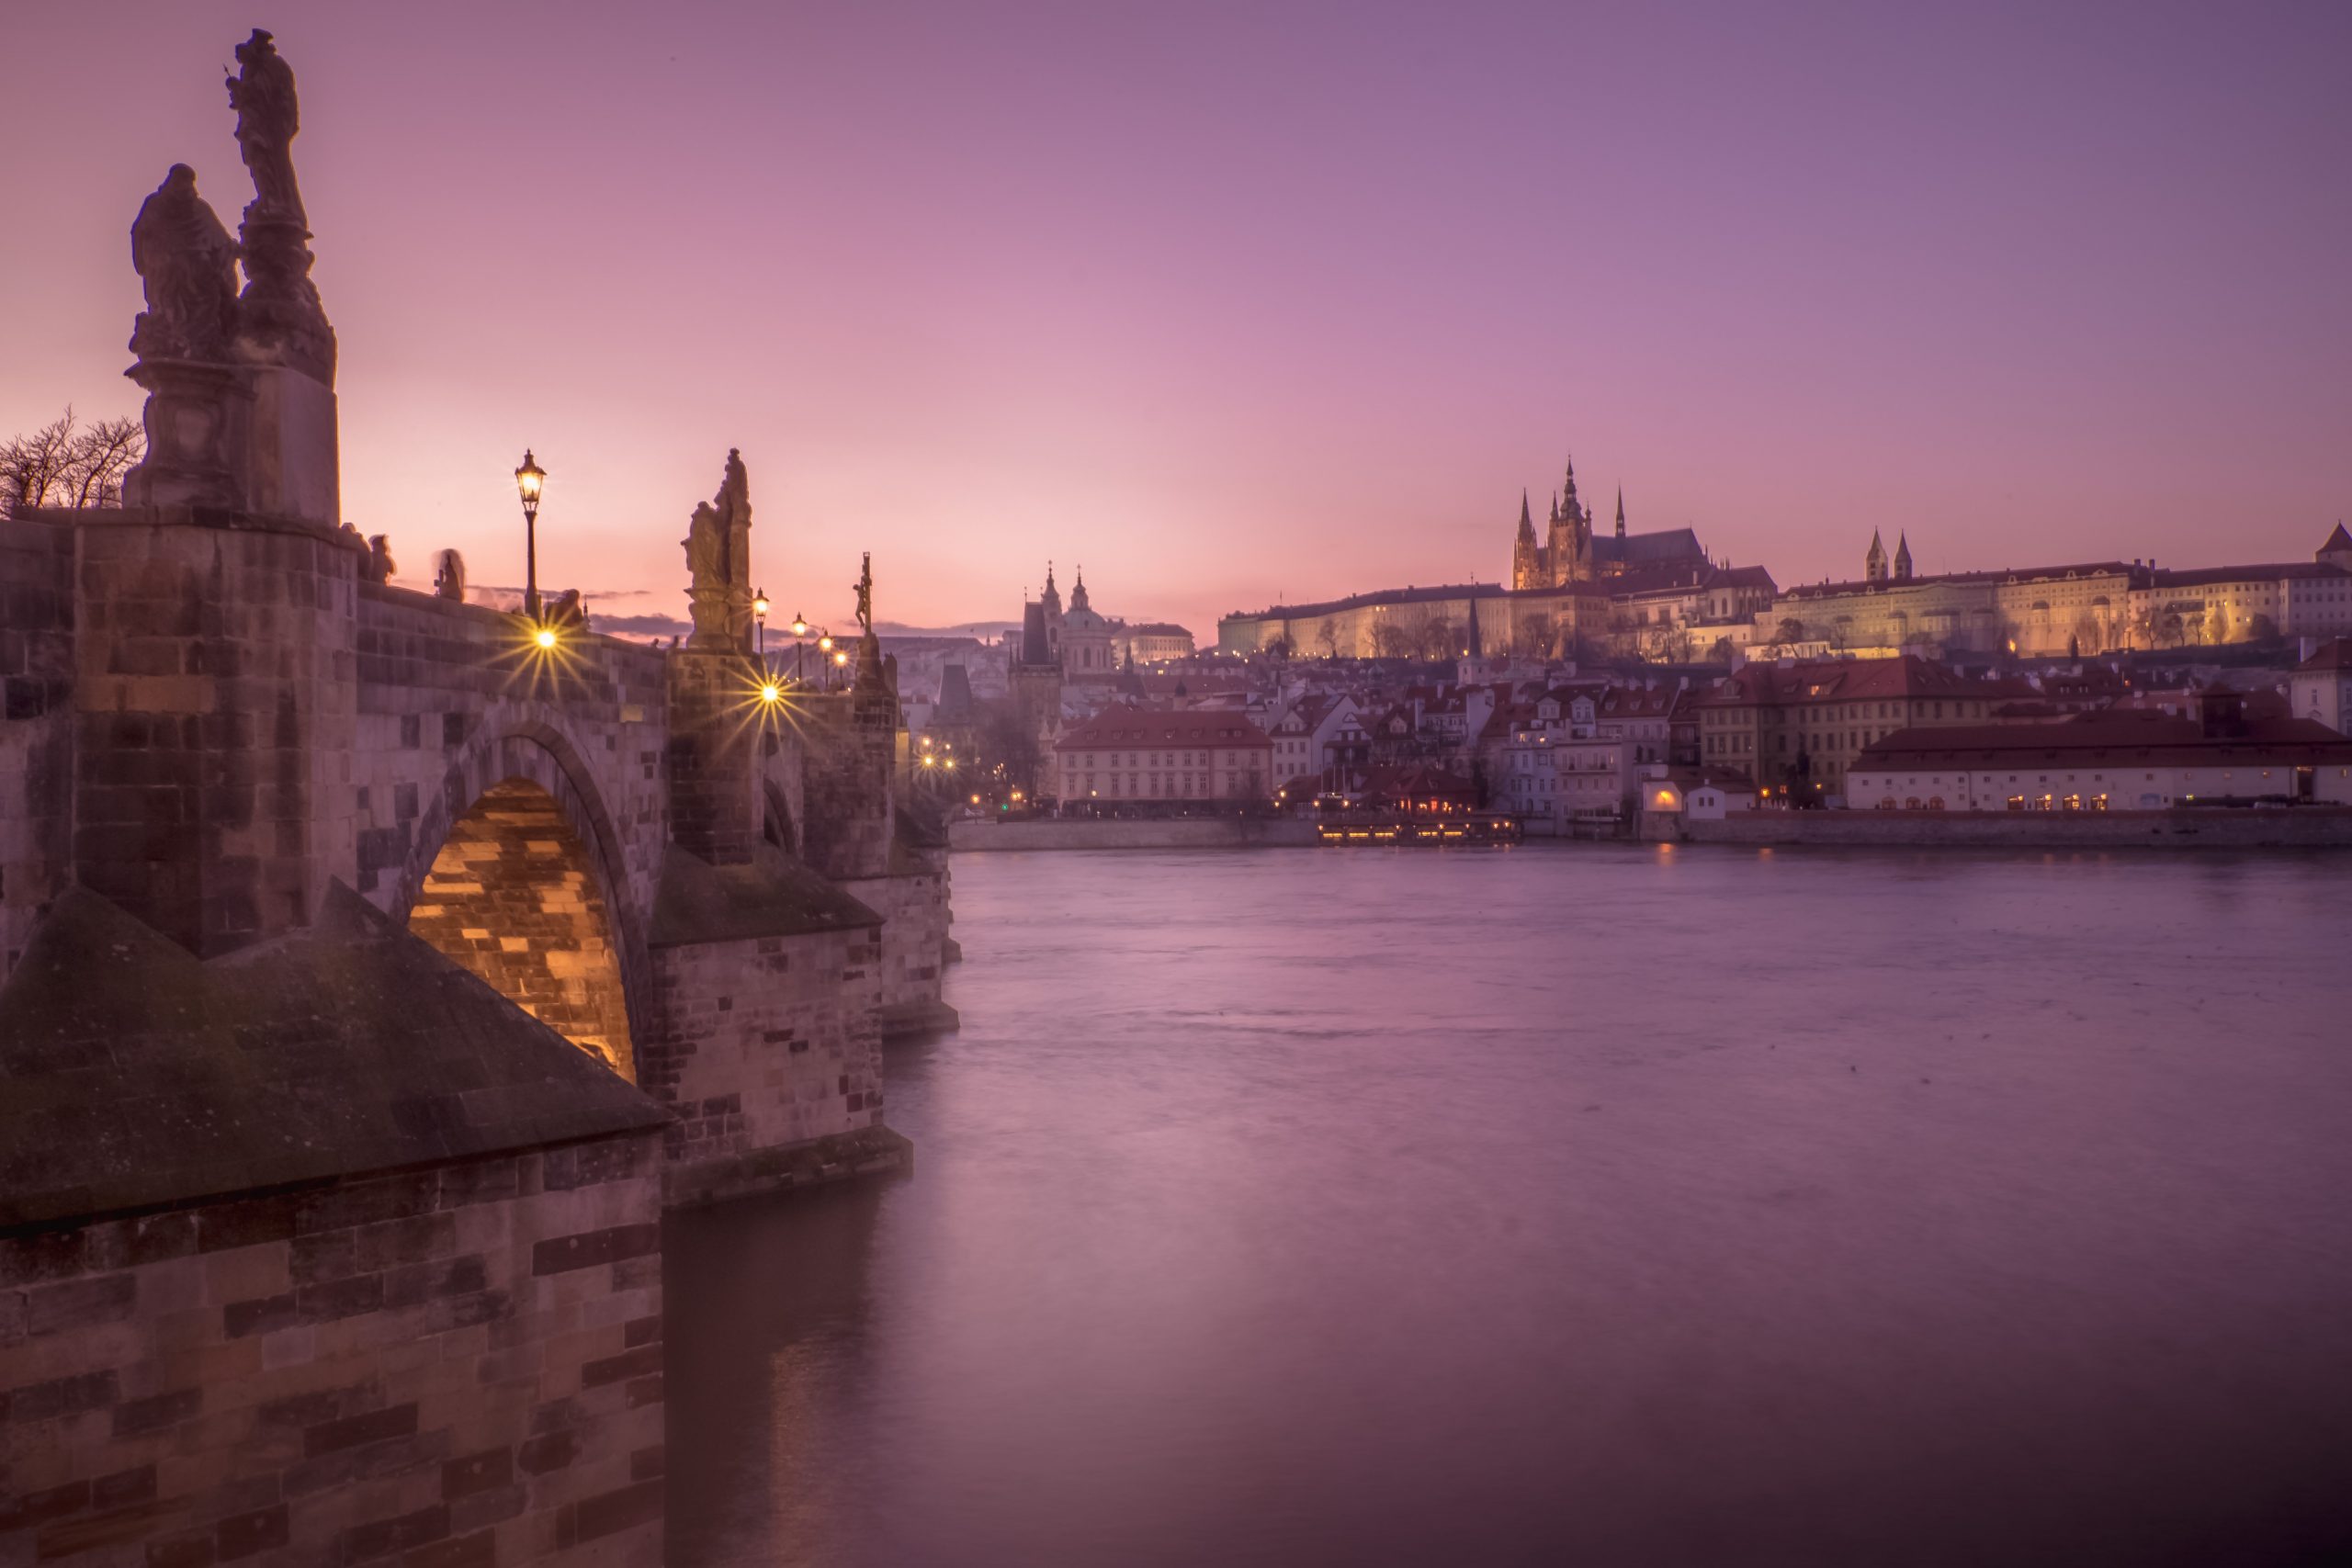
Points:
(2303, 828)
(1100, 833)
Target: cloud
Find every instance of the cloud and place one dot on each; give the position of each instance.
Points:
(645, 627)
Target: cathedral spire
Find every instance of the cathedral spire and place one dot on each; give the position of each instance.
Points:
(1903, 559)
(1620, 512)
(1874, 564)
(1568, 492)
(1526, 519)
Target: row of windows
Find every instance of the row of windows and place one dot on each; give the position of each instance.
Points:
(1235, 757)
(1158, 786)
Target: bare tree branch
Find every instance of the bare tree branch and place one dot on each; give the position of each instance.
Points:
(65, 463)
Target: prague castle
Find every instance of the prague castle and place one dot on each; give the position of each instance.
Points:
(1659, 596)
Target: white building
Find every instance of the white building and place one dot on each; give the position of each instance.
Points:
(2321, 687)
(2102, 761)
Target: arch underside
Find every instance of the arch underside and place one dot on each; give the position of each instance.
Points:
(512, 894)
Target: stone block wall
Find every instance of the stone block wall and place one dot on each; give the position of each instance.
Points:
(435, 1369)
(848, 773)
(913, 958)
(213, 701)
(764, 1044)
(716, 729)
(36, 721)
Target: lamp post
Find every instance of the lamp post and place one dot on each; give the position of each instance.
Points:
(825, 646)
(530, 478)
(760, 609)
(800, 630)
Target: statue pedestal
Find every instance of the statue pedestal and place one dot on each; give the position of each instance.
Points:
(196, 418)
(292, 463)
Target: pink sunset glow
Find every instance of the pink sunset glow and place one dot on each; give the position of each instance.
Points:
(1238, 302)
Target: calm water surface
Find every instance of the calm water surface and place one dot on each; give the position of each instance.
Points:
(1592, 1206)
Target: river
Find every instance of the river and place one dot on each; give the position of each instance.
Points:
(1568, 1205)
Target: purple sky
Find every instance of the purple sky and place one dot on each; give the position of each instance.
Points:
(1228, 302)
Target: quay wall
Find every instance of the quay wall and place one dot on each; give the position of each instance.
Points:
(1172, 833)
(2299, 829)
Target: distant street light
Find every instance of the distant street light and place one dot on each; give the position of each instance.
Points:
(760, 608)
(530, 478)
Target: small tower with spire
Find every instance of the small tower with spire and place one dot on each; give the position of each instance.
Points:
(1903, 557)
(1620, 512)
(1874, 564)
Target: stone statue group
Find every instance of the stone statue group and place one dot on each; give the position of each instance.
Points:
(188, 263)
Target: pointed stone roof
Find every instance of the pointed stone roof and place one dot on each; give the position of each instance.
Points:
(134, 1074)
(2340, 540)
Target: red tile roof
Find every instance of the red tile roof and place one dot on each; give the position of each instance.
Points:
(2114, 739)
(2337, 655)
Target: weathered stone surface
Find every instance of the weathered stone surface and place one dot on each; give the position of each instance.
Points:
(135, 1075)
(393, 1431)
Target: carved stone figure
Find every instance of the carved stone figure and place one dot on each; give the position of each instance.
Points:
(282, 321)
(378, 566)
(188, 263)
(864, 588)
(718, 562)
(449, 576)
(262, 91)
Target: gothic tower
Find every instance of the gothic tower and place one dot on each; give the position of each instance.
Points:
(1524, 566)
(1571, 542)
(1903, 559)
(1620, 512)
(1874, 564)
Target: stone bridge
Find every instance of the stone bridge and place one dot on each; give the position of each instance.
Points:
(374, 969)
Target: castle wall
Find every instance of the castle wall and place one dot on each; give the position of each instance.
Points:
(452, 1366)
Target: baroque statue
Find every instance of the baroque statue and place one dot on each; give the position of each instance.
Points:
(283, 322)
(188, 265)
(262, 91)
(719, 554)
(864, 588)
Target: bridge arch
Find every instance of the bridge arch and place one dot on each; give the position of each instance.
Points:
(517, 872)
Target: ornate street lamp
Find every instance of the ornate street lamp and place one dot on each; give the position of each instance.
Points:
(760, 609)
(800, 630)
(530, 478)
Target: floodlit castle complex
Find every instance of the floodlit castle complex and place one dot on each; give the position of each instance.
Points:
(1659, 595)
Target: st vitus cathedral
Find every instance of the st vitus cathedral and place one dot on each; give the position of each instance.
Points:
(1570, 553)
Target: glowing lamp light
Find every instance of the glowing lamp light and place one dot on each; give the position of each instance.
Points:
(543, 637)
(759, 603)
(841, 659)
(771, 693)
(799, 625)
(824, 644)
(529, 479)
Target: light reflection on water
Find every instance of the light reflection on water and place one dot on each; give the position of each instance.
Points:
(1589, 1205)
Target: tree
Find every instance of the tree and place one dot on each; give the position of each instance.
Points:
(1327, 641)
(68, 464)
(2262, 628)
(1390, 640)
(1791, 630)
(1538, 635)
(1720, 653)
